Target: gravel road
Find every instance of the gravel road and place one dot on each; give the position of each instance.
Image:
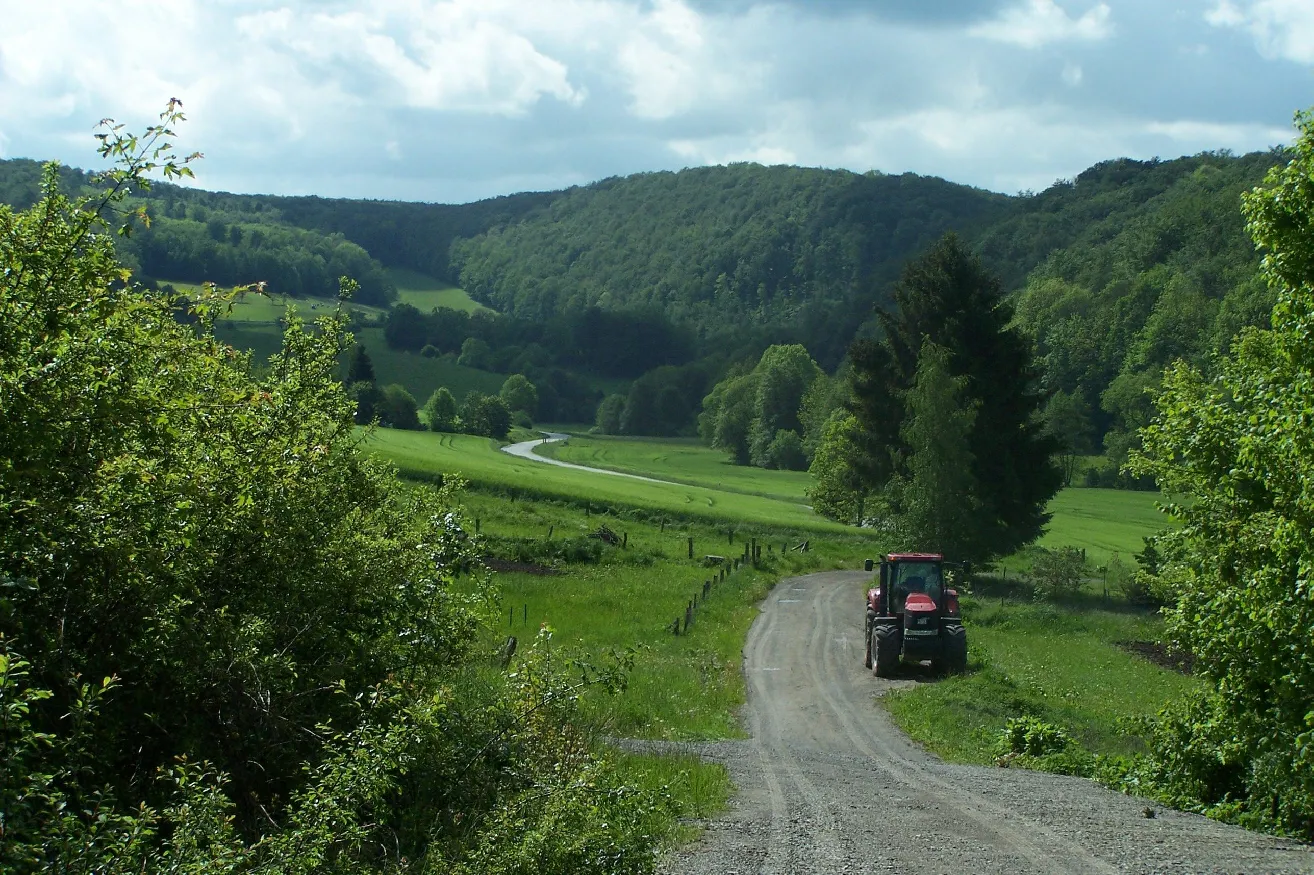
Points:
(829, 785)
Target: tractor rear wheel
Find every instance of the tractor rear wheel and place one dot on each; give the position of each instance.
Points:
(884, 644)
(955, 650)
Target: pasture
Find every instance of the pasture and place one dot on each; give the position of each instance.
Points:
(478, 460)
(1104, 522)
(682, 460)
(426, 293)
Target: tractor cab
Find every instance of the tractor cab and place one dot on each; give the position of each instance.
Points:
(913, 615)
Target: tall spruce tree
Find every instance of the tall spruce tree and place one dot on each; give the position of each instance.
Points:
(936, 497)
(947, 297)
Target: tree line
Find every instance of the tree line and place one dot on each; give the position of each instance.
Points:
(393, 406)
(1115, 273)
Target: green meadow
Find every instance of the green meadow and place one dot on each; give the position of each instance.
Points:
(687, 461)
(1104, 522)
(252, 307)
(479, 460)
(426, 293)
(1061, 663)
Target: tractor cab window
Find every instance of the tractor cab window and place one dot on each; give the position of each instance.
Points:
(911, 577)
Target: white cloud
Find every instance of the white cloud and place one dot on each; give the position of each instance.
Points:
(457, 99)
(673, 61)
(440, 56)
(1281, 28)
(1238, 137)
(1036, 23)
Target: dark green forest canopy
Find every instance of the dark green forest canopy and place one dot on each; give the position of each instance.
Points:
(1115, 273)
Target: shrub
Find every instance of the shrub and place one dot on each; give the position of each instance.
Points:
(1057, 574)
(1033, 736)
(290, 670)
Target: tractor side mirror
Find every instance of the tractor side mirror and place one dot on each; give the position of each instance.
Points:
(867, 565)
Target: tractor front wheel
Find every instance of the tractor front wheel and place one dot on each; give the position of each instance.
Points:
(955, 650)
(884, 645)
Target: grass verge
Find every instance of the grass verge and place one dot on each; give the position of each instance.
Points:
(1057, 664)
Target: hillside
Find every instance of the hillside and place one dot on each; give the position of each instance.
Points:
(1115, 272)
(802, 252)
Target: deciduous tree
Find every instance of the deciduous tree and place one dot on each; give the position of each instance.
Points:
(1237, 452)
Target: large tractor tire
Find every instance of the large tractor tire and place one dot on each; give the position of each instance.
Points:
(884, 644)
(955, 650)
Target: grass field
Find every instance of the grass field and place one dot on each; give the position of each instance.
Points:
(681, 687)
(682, 460)
(421, 375)
(1104, 522)
(425, 293)
(255, 308)
(1060, 664)
(478, 460)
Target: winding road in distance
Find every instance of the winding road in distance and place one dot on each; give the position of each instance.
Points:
(525, 450)
(827, 784)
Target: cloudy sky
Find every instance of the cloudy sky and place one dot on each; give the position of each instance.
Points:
(454, 100)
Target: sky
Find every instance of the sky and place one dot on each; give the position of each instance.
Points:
(456, 100)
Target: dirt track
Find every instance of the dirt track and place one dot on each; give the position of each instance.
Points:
(829, 785)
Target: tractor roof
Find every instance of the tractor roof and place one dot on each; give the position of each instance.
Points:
(917, 557)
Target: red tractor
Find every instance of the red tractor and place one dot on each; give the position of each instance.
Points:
(912, 615)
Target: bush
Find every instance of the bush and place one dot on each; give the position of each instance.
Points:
(293, 682)
(1057, 574)
(785, 452)
(1033, 736)
(396, 408)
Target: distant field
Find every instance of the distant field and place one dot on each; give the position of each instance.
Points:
(479, 460)
(1104, 521)
(684, 461)
(252, 307)
(422, 375)
(263, 339)
(426, 293)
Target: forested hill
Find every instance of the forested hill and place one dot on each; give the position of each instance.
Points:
(723, 248)
(298, 245)
(1116, 272)
(1131, 266)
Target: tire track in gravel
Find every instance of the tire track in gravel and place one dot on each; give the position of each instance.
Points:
(829, 785)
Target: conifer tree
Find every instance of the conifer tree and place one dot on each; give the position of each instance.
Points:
(947, 297)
